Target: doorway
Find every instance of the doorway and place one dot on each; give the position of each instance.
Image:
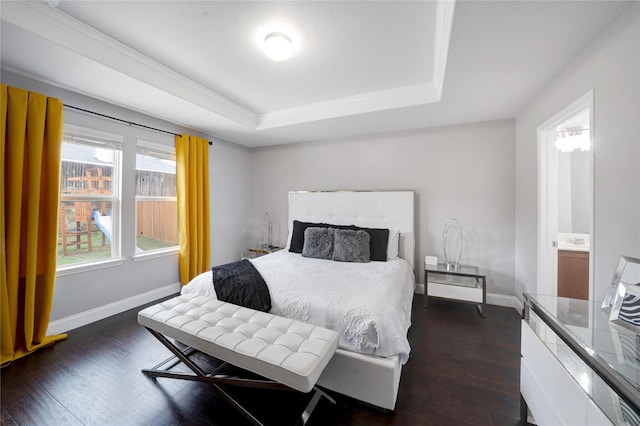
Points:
(566, 201)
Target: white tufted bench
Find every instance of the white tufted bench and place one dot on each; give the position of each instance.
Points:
(288, 352)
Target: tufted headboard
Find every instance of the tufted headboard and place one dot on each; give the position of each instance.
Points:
(371, 209)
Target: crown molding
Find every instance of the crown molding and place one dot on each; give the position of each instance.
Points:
(399, 97)
(39, 79)
(72, 34)
(68, 32)
(444, 23)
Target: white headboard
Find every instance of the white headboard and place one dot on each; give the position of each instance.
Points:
(370, 209)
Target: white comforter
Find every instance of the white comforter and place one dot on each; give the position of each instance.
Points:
(368, 304)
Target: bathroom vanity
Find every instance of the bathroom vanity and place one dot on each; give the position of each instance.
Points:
(573, 266)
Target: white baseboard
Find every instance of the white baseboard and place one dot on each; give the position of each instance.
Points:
(87, 317)
(492, 299)
(504, 300)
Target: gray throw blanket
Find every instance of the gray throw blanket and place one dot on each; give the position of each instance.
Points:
(240, 283)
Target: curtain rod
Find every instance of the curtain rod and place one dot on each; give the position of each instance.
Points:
(130, 123)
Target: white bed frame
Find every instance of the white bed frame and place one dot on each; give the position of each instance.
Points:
(374, 380)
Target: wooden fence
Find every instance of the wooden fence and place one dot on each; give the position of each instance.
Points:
(158, 220)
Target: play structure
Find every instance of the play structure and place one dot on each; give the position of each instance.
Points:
(103, 223)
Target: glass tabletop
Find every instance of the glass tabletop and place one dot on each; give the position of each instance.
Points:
(614, 348)
(461, 270)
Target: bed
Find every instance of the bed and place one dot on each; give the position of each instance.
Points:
(368, 304)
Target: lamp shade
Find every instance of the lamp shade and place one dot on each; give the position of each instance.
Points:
(277, 46)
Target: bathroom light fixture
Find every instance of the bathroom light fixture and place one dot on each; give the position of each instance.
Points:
(569, 140)
(277, 46)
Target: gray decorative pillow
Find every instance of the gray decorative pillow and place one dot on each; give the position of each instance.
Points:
(318, 243)
(351, 246)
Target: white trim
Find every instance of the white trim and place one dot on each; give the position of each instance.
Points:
(547, 224)
(72, 34)
(156, 198)
(87, 317)
(116, 205)
(398, 97)
(103, 138)
(505, 300)
(154, 254)
(444, 22)
(94, 138)
(80, 268)
(76, 36)
(547, 255)
(155, 147)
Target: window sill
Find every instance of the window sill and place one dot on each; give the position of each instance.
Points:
(85, 267)
(155, 254)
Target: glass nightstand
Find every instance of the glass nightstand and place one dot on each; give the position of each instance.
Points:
(252, 253)
(466, 284)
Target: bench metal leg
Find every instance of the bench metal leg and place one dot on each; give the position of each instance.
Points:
(217, 380)
(304, 417)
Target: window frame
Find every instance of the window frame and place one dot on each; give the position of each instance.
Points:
(89, 137)
(161, 151)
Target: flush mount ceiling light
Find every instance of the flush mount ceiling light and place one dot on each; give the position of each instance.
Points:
(278, 46)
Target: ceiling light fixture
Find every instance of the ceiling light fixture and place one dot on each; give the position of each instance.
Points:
(569, 140)
(278, 46)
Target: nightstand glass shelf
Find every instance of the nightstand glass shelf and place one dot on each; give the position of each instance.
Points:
(252, 253)
(463, 284)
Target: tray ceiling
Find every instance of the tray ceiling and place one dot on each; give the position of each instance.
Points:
(357, 68)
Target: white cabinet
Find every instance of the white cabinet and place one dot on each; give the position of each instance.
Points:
(567, 348)
(552, 394)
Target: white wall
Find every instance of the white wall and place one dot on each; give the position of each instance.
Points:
(565, 216)
(230, 196)
(574, 192)
(86, 296)
(610, 66)
(463, 171)
(581, 193)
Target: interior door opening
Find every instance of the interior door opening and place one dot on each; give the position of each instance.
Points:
(565, 202)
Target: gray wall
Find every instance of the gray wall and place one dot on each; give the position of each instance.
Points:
(574, 192)
(463, 171)
(610, 66)
(581, 192)
(230, 196)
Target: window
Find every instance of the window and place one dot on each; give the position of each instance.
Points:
(156, 201)
(89, 201)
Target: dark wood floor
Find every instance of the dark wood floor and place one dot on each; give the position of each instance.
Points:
(463, 370)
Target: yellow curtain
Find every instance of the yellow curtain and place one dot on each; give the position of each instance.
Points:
(192, 175)
(31, 129)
